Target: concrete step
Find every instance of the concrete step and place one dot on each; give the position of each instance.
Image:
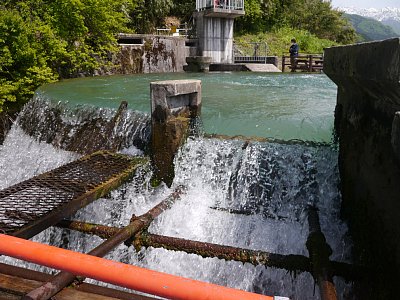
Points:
(262, 68)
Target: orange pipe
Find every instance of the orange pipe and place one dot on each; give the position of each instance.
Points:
(132, 277)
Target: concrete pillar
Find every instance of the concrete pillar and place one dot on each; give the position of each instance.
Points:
(215, 33)
(367, 123)
(173, 104)
(198, 64)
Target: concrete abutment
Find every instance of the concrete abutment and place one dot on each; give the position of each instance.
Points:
(367, 122)
(173, 104)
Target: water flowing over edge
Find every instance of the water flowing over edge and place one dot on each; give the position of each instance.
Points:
(270, 183)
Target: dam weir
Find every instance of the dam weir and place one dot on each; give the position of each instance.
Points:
(257, 215)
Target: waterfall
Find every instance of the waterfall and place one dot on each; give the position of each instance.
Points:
(250, 195)
(83, 128)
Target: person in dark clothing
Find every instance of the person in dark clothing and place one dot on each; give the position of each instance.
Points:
(294, 52)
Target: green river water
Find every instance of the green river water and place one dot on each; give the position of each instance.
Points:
(281, 106)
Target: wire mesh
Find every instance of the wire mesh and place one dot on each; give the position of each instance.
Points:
(31, 200)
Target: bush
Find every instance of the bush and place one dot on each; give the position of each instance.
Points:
(278, 41)
(42, 41)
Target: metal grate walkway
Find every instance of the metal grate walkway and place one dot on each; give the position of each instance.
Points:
(33, 205)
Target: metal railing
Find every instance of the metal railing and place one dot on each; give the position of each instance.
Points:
(250, 59)
(252, 52)
(304, 63)
(221, 4)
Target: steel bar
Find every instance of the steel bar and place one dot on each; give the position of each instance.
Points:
(63, 279)
(288, 262)
(129, 276)
(319, 252)
(83, 287)
(298, 263)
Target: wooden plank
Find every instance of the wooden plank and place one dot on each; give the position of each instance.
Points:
(7, 296)
(17, 286)
(83, 287)
(14, 287)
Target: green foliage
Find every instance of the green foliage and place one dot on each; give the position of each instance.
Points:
(278, 41)
(370, 29)
(260, 15)
(44, 40)
(315, 16)
(183, 9)
(319, 18)
(150, 14)
(23, 63)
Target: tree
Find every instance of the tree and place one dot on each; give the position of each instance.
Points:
(318, 17)
(44, 40)
(150, 14)
(260, 16)
(23, 62)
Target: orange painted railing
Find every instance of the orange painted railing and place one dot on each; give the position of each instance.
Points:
(132, 277)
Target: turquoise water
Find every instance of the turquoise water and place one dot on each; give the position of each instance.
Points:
(281, 106)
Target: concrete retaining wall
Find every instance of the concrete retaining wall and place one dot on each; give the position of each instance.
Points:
(151, 54)
(368, 77)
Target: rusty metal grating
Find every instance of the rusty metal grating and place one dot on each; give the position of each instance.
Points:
(37, 203)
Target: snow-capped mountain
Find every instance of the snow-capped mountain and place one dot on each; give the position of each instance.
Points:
(388, 13)
(389, 16)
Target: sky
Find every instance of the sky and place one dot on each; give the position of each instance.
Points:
(366, 3)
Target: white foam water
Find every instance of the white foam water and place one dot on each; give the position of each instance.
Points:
(267, 185)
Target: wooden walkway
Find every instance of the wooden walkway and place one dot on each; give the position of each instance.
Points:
(31, 206)
(15, 282)
(304, 63)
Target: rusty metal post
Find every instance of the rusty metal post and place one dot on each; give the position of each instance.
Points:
(63, 279)
(310, 63)
(103, 231)
(115, 143)
(289, 262)
(319, 252)
(283, 63)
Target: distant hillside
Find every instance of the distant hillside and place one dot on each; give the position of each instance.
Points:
(394, 24)
(389, 16)
(387, 13)
(369, 29)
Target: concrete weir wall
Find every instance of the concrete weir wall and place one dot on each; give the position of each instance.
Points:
(368, 125)
(142, 53)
